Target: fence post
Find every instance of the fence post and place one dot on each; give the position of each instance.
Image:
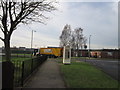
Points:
(7, 75)
(22, 78)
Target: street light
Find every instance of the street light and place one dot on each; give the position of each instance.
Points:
(85, 46)
(32, 40)
(89, 46)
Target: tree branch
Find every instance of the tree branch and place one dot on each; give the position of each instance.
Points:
(5, 15)
(2, 28)
(14, 10)
(20, 16)
(2, 39)
(10, 7)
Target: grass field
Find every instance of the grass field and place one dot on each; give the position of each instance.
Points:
(94, 58)
(16, 59)
(19, 59)
(84, 75)
(21, 54)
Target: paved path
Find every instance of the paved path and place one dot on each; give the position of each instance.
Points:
(47, 76)
(111, 67)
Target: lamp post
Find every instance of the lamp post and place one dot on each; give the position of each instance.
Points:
(89, 46)
(32, 41)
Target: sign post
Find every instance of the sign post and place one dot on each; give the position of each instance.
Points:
(67, 55)
(85, 46)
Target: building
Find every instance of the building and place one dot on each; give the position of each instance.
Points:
(98, 53)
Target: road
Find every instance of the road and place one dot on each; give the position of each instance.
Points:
(111, 67)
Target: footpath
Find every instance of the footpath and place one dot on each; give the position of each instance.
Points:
(47, 76)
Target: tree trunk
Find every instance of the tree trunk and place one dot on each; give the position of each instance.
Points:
(7, 49)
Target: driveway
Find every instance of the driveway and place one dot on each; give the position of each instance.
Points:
(111, 67)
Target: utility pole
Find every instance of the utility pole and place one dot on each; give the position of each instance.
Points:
(89, 46)
(32, 41)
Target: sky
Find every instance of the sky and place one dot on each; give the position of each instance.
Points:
(98, 19)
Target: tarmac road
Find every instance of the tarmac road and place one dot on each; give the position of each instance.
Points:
(111, 67)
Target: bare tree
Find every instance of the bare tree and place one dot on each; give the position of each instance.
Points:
(75, 38)
(25, 11)
(65, 38)
(79, 39)
(73, 45)
(84, 40)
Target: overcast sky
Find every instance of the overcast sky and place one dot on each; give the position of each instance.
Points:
(99, 19)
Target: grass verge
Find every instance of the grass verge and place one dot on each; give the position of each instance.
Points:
(95, 58)
(84, 75)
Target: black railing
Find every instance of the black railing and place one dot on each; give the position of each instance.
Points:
(22, 69)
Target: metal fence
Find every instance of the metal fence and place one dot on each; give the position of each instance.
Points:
(22, 69)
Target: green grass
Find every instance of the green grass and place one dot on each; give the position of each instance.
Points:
(22, 54)
(83, 75)
(19, 59)
(94, 58)
(59, 60)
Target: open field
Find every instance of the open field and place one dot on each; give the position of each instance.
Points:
(16, 59)
(84, 75)
(19, 57)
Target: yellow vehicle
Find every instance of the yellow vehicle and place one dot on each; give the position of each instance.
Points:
(51, 52)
